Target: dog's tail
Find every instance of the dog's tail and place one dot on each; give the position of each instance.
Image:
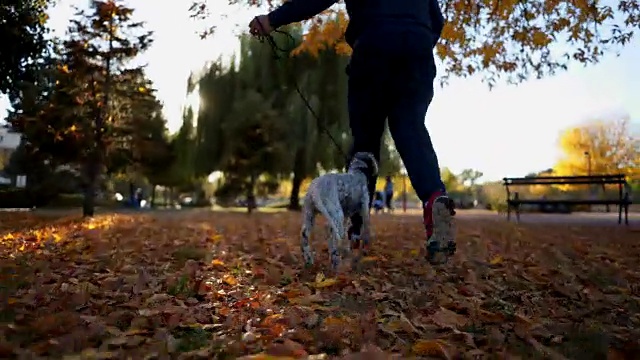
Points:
(319, 204)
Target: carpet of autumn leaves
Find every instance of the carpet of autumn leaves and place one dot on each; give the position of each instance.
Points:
(201, 285)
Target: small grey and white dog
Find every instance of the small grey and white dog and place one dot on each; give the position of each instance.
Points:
(338, 197)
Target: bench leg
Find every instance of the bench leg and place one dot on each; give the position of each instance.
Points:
(508, 212)
(518, 213)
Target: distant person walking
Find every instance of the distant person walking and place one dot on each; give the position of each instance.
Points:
(388, 193)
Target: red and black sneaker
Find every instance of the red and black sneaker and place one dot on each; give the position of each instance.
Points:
(438, 222)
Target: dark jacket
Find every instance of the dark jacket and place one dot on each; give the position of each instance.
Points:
(363, 14)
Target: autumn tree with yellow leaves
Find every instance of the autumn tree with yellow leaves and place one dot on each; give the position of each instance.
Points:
(599, 147)
(508, 39)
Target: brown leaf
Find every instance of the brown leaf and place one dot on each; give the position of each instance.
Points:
(156, 299)
(6, 349)
(286, 348)
(491, 317)
(448, 319)
(307, 300)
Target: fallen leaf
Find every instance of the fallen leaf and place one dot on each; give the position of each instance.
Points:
(142, 285)
(229, 280)
(307, 300)
(448, 319)
(286, 348)
(436, 348)
(369, 259)
(325, 283)
(217, 262)
(496, 260)
(263, 356)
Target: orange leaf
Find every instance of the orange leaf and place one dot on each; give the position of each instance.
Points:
(230, 280)
(224, 311)
(436, 348)
(271, 320)
(333, 321)
(217, 262)
(277, 330)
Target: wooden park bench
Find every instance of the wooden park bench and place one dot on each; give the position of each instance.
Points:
(514, 201)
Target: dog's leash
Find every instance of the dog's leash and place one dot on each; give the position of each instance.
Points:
(277, 55)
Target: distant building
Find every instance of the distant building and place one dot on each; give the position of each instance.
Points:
(9, 142)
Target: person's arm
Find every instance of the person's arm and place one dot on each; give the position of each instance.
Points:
(297, 10)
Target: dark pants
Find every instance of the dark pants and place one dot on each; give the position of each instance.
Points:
(391, 76)
(388, 197)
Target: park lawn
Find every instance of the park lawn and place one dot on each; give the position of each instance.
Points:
(199, 285)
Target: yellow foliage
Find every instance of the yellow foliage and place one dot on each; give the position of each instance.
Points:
(475, 32)
(599, 147)
(326, 34)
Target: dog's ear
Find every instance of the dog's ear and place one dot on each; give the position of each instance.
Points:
(369, 160)
(374, 164)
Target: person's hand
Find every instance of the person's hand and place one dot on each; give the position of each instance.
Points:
(260, 26)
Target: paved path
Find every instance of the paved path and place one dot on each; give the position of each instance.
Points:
(578, 218)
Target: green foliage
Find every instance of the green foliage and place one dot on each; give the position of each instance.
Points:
(91, 106)
(174, 165)
(494, 196)
(390, 162)
(253, 124)
(23, 45)
(450, 180)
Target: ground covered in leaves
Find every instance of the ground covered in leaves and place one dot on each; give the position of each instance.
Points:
(200, 285)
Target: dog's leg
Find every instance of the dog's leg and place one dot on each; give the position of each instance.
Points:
(308, 219)
(333, 213)
(365, 228)
(336, 230)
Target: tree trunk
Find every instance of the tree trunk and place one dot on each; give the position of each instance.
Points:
(132, 190)
(298, 177)
(251, 196)
(153, 196)
(95, 159)
(89, 203)
(165, 195)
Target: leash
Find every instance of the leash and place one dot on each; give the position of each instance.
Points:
(277, 51)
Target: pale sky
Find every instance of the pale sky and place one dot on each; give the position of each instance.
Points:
(509, 131)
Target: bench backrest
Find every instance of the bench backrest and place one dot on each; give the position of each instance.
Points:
(568, 180)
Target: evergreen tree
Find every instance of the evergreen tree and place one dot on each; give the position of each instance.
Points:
(90, 107)
(23, 45)
(102, 43)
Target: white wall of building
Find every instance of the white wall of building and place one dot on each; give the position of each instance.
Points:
(9, 140)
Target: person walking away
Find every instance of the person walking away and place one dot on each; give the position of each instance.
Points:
(391, 74)
(388, 193)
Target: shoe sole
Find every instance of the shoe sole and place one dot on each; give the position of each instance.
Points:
(443, 230)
